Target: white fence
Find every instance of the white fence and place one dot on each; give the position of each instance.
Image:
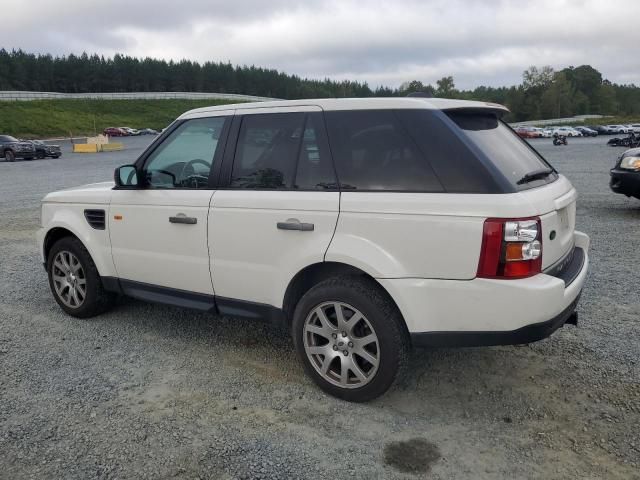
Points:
(557, 121)
(22, 96)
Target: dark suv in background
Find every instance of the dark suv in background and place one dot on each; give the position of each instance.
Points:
(12, 148)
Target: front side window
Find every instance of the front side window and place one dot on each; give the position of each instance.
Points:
(373, 151)
(185, 158)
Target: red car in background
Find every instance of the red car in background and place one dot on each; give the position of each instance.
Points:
(114, 132)
(527, 132)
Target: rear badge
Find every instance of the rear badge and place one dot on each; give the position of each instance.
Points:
(552, 235)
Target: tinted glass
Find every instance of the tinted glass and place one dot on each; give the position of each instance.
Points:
(373, 151)
(512, 156)
(267, 150)
(314, 170)
(185, 157)
(457, 167)
(7, 138)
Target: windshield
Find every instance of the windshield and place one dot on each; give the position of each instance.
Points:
(514, 157)
(7, 138)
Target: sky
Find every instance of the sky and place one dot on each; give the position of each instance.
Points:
(478, 42)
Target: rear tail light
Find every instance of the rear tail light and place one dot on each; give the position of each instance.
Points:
(511, 248)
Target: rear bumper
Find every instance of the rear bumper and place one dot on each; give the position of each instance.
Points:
(626, 182)
(490, 312)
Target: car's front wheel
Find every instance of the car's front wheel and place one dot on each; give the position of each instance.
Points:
(9, 156)
(350, 337)
(75, 281)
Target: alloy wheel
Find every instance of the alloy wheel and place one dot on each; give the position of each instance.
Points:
(341, 344)
(69, 279)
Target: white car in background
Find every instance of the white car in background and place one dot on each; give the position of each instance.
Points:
(620, 128)
(365, 226)
(567, 132)
(635, 127)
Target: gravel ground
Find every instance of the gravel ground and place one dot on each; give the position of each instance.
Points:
(148, 391)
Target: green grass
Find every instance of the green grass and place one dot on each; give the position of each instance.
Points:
(62, 118)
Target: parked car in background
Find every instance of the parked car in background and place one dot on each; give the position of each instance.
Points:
(601, 129)
(635, 127)
(567, 132)
(625, 176)
(547, 132)
(44, 150)
(539, 131)
(586, 131)
(526, 132)
(11, 149)
(365, 226)
(619, 129)
(115, 132)
(130, 131)
(148, 131)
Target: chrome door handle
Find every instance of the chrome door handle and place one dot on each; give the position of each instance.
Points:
(182, 218)
(295, 224)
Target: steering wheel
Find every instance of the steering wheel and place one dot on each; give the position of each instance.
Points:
(188, 176)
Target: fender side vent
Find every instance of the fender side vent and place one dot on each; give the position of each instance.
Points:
(95, 218)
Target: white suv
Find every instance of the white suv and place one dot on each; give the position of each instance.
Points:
(364, 225)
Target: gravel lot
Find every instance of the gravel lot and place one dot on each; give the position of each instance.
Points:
(148, 391)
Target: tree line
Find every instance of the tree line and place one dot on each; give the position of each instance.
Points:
(543, 93)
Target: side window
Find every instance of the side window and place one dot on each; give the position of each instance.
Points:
(184, 159)
(267, 150)
(373, 151)
(315, 169)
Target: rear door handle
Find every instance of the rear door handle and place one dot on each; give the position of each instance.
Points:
(182, 218)
(295, 224)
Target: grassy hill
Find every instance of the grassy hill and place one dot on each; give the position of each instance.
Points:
(61, 118)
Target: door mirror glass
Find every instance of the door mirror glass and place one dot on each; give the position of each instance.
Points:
(126, 176)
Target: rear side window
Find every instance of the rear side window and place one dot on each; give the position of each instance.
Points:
(373, 151)
(511, 155)
(267, 150)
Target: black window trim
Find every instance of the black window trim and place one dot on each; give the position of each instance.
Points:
(216, 160)
(226, 169)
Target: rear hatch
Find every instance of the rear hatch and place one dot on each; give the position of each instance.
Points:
(549, 195)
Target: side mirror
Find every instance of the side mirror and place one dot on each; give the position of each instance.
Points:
(126, 177)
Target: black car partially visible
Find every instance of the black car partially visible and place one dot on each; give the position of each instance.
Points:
(625, 176)
(11, 148)
(44, 150)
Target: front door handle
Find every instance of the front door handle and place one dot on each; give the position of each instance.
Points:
(295, 224)
(182, 218)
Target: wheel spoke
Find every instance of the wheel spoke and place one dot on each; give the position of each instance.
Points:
(323, 332)
(59, 278)
(353, 321)
(326, 363)
(58, 264)
(358, 373)
(326, 324)
(346, 364)
(323, 350)
(75, 265)
(74, 295)
(339, 316)
(361, 342)
(362, 353)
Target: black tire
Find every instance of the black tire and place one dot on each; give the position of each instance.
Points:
(28, 158)
(40, 155)
(56, 156)
(9, 156)
(368, 297)
(97, 299)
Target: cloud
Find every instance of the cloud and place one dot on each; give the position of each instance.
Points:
(381, 42)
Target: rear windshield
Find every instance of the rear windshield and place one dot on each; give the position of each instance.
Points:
(511, 155)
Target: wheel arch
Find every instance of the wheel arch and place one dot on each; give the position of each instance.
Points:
(52, 236)
(315, 273)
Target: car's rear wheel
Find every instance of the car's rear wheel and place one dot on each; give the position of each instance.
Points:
(75, 281)
(350, 337)
(9, 156)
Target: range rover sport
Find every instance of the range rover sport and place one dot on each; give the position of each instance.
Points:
(367, 226)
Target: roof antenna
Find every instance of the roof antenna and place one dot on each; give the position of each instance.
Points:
(420, 94)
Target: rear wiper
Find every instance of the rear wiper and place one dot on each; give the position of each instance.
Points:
(535, 175)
